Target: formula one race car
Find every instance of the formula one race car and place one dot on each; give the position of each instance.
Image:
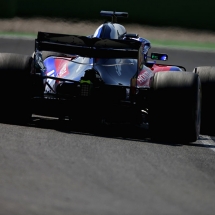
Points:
(102, 78)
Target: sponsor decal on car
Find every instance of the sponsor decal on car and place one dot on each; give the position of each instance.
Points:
(61, 66)
(144, 77)
(64, 71)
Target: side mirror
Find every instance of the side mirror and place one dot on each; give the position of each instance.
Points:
(159, 56)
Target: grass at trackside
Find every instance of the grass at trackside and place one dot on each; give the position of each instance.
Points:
(184, 45)
(17, 35)
(155, 43)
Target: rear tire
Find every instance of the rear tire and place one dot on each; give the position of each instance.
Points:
(15, 87)
(207, 77)
(175, 106)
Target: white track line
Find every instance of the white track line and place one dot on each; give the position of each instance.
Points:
(207, 141)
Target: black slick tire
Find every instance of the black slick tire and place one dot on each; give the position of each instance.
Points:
(207, 77)
(15, 87)
(175, 106)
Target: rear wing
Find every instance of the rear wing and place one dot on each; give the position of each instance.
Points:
(88, 47)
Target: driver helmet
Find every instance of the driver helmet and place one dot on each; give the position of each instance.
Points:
(106, 31)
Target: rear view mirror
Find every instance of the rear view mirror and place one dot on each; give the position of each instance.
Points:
(159, 56)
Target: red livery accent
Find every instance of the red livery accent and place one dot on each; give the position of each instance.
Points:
(160, 68)
(61, 66)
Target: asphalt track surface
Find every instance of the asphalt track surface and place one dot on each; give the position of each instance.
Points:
(55, 168)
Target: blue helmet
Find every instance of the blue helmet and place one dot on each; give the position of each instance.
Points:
(110, 31)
